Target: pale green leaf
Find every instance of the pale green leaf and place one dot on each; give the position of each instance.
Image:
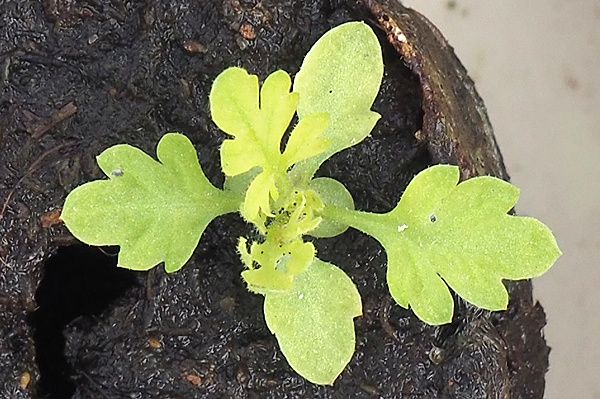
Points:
(306, 140)
(234, 102)
(257, 122)
(340, 76)
(240, 156)
(461, 236)
(314, 322)
(332, 193)
(258, 197)
(273, 265)
(239, 183)
(155, 211)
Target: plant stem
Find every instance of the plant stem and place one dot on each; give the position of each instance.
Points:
(368, 223)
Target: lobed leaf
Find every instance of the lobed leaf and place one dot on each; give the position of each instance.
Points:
(279, 263)
(314, 321)
(155, 211)
(442, 234)
(258, 121)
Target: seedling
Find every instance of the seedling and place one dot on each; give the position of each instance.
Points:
(442, 234)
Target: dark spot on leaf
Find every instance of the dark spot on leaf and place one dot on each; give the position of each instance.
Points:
(433, 218)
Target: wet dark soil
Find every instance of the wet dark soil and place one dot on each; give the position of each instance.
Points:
(77, 77)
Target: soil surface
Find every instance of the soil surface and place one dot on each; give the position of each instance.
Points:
(78, 77)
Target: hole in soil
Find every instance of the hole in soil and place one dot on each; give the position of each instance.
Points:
(78, 281)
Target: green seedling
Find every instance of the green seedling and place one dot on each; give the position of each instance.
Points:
(442, 234)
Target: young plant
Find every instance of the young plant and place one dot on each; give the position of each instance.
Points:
(442, 234)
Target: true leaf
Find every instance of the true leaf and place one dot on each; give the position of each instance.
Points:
(332, 193)
(307, 139)
(313, 321)
(279, 263)
(155, 211)
(257, 121)
(258, 197)
(340, 76)
(442, 234)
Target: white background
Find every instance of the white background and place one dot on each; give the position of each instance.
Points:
(536, 63)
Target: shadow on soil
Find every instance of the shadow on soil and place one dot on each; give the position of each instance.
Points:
(79, 281)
